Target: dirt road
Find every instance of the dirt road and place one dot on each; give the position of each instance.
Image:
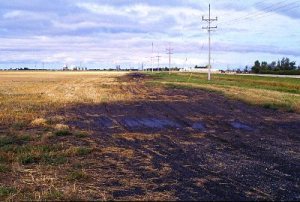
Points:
(189, 145)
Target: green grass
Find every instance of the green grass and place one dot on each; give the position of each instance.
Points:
(62, 133)
(33, 154)
(6, 191)
(82, 151)
(46, 154)
(19, 125)
(76, 175)
(53, 195)
(268, 92)
(13, 139)
(81, 134)
(4, 168)
(289, 85)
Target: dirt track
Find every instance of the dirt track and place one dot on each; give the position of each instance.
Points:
(190, 145)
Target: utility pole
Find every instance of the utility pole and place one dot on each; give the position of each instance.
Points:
(158, 58)
(152, 57)
(169, 52)
(185, 67)
(209, 28)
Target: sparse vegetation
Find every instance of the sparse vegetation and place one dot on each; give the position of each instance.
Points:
(62, 133)
(6, 191)
(77, 175)
(4, 168)
(81, 134)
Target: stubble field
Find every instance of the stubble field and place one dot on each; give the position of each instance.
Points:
(106, 135)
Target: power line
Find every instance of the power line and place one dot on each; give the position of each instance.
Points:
(267, 10)
(251, 14)
(209, 28)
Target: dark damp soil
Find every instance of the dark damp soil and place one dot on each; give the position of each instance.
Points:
(188, 144)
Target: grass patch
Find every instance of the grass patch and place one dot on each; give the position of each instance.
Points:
(62, 133)
(270, 106)
(81, 134)
(49, 159)
(26, 159)
(272, 93)
(4, 141)
(4, 168)
(19, 125)
(289, 85)
(53, 195)
(78, 151)
(6, 191)
(13, 139)
(31, 154)
(82, 151)
(77, 176)
(57, 159)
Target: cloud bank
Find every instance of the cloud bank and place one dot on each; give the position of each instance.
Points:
(105, 33)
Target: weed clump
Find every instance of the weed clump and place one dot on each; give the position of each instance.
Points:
(14, 140)
(61, 133)
(6, 191)
(62, 130)
(81, 134)
(39, 122)
(29, 159)
(76, 176)
(78, 151)
(4, 168)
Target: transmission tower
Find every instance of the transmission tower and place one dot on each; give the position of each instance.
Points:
(169, 52)
(209, 28)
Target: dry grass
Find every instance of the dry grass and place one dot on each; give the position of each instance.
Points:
(122, 152)
(137, 136)
(43, 158)
(26, 96)
(260, 97)
(36, 166)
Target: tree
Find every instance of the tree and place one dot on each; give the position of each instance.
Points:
(292, 65)
(272, 66)
(256, 67)
(285, 64)
(278, 66)
(264, 65)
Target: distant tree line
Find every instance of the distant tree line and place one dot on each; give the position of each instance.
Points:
(283, 66)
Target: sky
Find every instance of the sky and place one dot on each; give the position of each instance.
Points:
(106, 33)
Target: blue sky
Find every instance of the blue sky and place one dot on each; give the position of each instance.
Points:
(106, 33)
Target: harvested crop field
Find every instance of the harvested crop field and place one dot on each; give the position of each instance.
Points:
(117, 136)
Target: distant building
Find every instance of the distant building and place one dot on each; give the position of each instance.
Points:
(65, 68)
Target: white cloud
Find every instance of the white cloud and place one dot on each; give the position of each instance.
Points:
(113, 33)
